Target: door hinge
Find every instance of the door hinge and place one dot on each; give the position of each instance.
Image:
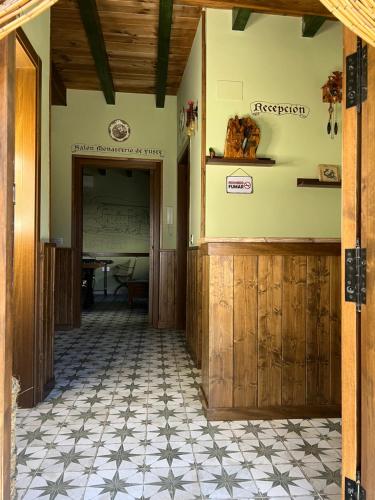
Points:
(356, 77)
(354, 489)
(355, 276)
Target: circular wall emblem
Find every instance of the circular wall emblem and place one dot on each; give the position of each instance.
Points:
(119, 130)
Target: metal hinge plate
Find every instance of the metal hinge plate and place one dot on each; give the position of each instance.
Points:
(354, 490)
(356, 84)
(355, 276)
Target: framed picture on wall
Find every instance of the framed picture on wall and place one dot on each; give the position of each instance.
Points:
(329, 173)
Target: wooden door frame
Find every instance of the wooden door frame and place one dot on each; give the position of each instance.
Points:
(22, 39)
(7, 125)
(181, 250)
(155, 167)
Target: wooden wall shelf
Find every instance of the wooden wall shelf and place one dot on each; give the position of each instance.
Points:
(258, 162)
(316, 183)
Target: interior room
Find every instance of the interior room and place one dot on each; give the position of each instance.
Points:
(116, 235)
(186, 194)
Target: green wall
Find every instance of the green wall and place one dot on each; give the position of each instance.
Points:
(38, 33)
(116, 218)
(276, 64)
(85, 120)
(191, 89)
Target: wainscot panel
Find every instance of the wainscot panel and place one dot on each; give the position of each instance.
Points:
(194, 306)
(47, 324)
(167, 289)
(270, 329)
(64, 289)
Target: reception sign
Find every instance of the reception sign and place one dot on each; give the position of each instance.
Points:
(277, 108)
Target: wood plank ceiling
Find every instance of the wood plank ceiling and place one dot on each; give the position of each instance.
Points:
(130, 30)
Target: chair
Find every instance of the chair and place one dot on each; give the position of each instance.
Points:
(123, 273)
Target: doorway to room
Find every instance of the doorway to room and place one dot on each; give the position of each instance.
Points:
(183, 208)
(116, 232)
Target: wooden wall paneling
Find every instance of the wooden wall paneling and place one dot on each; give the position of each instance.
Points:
(63, 304)
(194, 306)
(221, 332)
(269, 330)
(191, 303)
(7, 76)
(294, 331)
(318, 345)
(47, 319)
(349, 321)
(335, 329)
(205, 262)
(167, 292)
(280, 248)
(245, 331)
(199, 308)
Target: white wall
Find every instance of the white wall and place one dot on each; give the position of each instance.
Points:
(38, 33)
(191, 89)
(85, 120)
(275, 64)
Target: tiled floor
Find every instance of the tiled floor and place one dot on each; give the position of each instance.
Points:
(125, 422)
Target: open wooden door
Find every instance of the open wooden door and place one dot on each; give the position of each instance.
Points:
(358, 321)
(27, 354)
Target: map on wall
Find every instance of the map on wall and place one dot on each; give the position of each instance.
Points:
(110, 223)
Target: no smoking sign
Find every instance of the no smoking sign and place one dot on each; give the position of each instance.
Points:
(240, 185)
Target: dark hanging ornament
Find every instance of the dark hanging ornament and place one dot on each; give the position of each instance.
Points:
(332, 95)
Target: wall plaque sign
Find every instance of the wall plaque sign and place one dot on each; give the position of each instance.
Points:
(239, 184)
(99, 148)
(279, 109)
(119, 130)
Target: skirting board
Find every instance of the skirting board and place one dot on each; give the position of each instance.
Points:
(212, 414)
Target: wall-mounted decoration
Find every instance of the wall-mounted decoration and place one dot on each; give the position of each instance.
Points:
(191, 118)
(239, 184)
(119, 130)
(332, 95)
(284, 108)
(212, 153)
(133, 151)
(329, 173)
(242, 139)
(182, 120)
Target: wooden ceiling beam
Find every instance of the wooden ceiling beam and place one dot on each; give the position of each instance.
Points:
(311, 25)
(91, 22)
(283, 7)
(240, 18)
(58, 89)
(164, 38)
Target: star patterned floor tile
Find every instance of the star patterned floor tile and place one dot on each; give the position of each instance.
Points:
(227, 482)
(281, 480)
(125, 422)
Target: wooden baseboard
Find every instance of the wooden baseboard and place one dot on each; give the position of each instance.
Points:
(48, 387)
(166, 324)
(326, 411)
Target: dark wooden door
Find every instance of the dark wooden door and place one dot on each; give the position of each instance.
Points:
(183, 196)
(358, 337)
